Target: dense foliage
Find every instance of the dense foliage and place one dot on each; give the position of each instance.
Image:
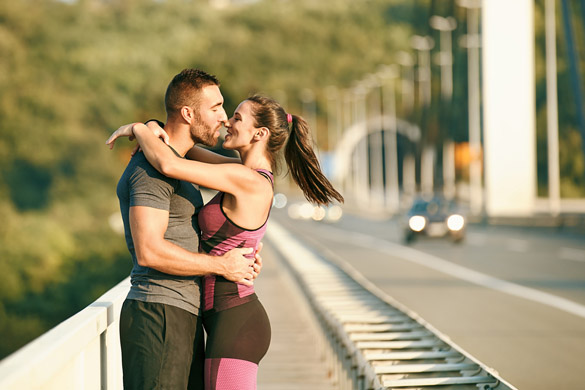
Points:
(71, 72)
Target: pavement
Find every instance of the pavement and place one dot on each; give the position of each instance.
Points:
(292, 362)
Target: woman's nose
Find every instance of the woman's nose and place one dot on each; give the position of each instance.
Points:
(228, 122)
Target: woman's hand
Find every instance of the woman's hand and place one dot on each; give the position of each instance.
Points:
(158, 131)
(123, 131)
(128, 131)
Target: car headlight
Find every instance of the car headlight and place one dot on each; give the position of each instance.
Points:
(417, 223)
(455, 222)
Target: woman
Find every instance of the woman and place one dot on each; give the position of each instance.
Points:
(238, 330)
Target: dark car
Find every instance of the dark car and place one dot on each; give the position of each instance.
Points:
(434, 217)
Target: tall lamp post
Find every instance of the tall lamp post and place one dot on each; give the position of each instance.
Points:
(333, 117)
(406, 62)
(388, 75)
(346, 97)
(552, 112)
(374, 138)
(445, 60)
(423, 45)
(472, 42)
(361, 169)
(309, 106)
(445, 25)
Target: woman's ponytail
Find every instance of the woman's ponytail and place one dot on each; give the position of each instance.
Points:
(292, 132)
(304, 165)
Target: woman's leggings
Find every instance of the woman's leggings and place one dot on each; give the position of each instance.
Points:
(237, 339)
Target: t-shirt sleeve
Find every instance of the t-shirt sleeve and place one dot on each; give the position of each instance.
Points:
(150, 188)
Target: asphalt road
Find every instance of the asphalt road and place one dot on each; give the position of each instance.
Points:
(512, 297)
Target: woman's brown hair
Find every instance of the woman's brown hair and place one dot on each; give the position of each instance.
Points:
(298, 149)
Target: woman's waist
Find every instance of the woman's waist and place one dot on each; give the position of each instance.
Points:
(221, 286)
(220, 293)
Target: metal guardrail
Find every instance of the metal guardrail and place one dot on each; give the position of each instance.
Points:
(371, 341)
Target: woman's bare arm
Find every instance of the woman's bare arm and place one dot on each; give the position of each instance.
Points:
(227, 177)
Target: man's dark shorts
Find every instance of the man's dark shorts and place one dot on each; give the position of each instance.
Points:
(162, 347)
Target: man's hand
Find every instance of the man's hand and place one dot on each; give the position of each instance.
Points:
(236, 267)
(257, 266)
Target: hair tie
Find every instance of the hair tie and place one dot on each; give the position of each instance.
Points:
(289, 118)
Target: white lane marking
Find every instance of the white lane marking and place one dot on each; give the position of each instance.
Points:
(572, 254)
(446, 267)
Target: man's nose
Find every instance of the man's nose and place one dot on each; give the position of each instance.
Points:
(223, 117)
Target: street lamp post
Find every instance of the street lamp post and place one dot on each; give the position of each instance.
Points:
(554, 191)
(309, 106)
(423, 45)
(374, 138)
(333, 117)
(407, 87)
(405, 60)
(472, 43)
(361, 171)
(346, 118)
(388, 75)
(445, 61)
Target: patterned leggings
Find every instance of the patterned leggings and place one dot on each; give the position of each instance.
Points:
(237, 339)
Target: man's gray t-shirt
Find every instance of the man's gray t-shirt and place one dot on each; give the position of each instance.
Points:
(142, 185)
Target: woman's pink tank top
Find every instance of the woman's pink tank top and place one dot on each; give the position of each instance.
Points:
(219, 235)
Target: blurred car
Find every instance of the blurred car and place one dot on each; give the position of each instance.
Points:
(434, 217)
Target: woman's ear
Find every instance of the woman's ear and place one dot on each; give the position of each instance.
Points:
(261, 133)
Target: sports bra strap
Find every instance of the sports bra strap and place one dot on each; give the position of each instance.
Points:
(267, 174)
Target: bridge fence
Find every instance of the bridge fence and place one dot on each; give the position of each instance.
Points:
(66, 356)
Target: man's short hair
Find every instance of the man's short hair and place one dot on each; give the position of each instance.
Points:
(184, 90)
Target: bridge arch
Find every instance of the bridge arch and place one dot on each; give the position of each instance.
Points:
(376, 165)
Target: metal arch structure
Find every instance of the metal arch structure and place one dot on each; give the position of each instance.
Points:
(344, 154)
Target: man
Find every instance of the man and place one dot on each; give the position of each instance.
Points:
(160, 329)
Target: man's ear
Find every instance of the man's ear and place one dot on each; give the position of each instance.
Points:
(187, 113)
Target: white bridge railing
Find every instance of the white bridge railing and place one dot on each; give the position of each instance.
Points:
(67, 356)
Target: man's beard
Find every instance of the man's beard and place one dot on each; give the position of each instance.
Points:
(202, 133)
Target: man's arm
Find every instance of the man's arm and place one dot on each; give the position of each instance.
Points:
(199, 153)
(148, 226)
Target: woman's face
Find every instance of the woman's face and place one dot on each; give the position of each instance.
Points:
(241, 128)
